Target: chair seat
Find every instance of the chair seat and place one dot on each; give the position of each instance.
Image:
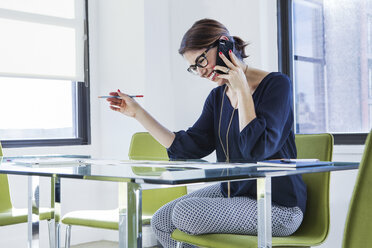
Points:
(107, 219)
(46, 214)
(315, 226)
(235, 240)
(19, 215)
(216, 240)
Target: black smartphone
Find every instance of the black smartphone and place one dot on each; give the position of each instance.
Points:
(223, 46)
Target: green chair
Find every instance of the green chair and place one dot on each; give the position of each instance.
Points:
(359, 219)
(315, 226)
(142, 147)
(10, 215)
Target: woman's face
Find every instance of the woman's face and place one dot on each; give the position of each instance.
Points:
(206, 72)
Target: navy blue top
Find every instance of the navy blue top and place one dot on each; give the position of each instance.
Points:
(268, 136)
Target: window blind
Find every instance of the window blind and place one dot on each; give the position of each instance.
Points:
(42, 39)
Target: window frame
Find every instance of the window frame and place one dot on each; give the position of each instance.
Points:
(285, 63)
(81, 104)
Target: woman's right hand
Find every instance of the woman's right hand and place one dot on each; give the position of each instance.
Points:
(125, 104)
(128, 106)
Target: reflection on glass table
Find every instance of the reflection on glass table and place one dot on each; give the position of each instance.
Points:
(130, 175)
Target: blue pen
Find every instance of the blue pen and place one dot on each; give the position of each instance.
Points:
(119, 96)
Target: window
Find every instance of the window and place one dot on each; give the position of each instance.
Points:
(370, 78)
(44, 80)
(328, 57)
(369, 34)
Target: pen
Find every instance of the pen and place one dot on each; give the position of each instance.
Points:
(287, 161)
(119, 96)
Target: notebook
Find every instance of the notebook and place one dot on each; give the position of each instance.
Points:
(292, 163)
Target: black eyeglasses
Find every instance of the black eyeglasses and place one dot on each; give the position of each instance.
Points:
(201, 61)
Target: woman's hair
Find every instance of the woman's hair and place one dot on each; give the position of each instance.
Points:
(205, 32)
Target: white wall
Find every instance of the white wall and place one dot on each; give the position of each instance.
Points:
(192, 91)
(117, 61)
(133, 47)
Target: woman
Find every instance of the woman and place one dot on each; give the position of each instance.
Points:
(252, 110)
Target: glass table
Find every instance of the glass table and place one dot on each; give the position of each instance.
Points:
(131, 175)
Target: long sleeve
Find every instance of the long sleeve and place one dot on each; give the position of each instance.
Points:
(266, 134)
(198, 141)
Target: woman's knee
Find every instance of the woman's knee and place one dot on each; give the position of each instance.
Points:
(185, 216)
(288, 222)
(162, 219)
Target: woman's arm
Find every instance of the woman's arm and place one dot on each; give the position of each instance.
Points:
(129, 107)
(264, 128)
(158, 131)
(198, 141)
(269, 131)
(246, 109)
(237, 81)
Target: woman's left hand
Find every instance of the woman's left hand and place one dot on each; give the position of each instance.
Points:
(235, 68)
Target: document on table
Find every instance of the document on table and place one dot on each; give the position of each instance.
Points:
(40, 161)
(161, 164)
(195, 164)
(180, 164)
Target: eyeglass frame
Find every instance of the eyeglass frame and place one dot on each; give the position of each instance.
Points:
(204, 54)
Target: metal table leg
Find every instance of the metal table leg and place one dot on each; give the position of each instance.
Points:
(54, 229)
(52, 222)
(33, 219)
(264, 212)
(130, 215)
(34, 211)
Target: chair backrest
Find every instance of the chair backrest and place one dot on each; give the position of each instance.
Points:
(315, 225)
(144, 147)
(5, 203)
(359, 219)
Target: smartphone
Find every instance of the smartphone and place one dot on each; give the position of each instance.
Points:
(223, 46)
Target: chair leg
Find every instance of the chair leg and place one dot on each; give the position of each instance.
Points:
(50, 232)
(54, 234)
(68, 236)
(179, 244)
(58, 235)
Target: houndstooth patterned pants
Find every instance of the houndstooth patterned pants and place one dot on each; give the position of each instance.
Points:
(207, 211)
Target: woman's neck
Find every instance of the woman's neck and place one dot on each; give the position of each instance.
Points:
(254, 77)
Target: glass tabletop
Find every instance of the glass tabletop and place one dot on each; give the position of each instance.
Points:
(151, 172)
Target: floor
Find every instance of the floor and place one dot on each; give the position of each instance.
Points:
(148, 241)
(97, 244)
(101, 244)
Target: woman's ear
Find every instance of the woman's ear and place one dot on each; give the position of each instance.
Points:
(223, 37)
